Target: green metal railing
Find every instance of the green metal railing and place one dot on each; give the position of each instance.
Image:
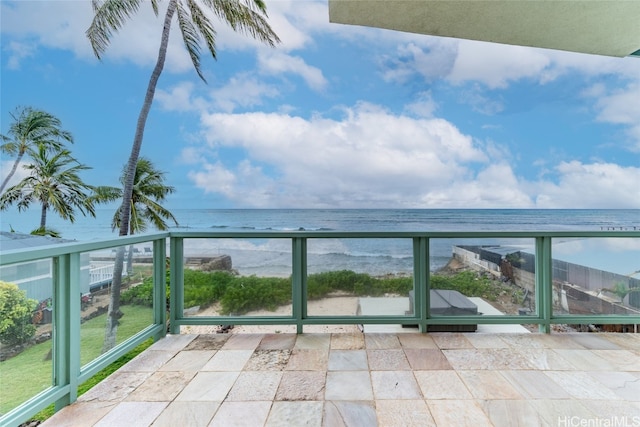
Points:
(67, 370)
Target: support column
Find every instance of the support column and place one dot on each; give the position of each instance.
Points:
(544, 283)
(299, 281)
(176, 280)
(66, 326)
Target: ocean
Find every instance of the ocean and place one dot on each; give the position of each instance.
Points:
(375, 256)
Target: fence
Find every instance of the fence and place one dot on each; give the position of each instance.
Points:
(72, 363)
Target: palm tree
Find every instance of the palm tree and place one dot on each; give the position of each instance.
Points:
(54, 183)
(246, 16)
(148, 191)
(31, 128)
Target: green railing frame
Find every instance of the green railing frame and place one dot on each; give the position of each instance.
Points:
(68, 373)
(67, 370)
(543, 316)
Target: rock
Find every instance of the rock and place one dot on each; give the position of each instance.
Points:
(222, 262)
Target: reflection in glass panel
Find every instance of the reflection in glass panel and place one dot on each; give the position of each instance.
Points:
(96, 291)
(370, 277)
(236, 277)
(482, 277)
(25, 336)
(596, 276)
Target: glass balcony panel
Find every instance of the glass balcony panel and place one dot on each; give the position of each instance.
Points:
(596, 276)
(370, 277)
(482, 277)
(26, 347)
(97, 290)
(237, 277)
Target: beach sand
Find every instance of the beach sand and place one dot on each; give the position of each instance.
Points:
(332, 306)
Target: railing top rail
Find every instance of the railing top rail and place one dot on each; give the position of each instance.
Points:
(53, 250)
(399, 234)
(30, 254)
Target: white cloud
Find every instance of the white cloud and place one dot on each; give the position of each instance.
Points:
(215, 178)
(276, 63)
(496, 65)
(20, 174)
(493, 65)
(179, 98)
(369, 158)
(596, 185)
(424, 106)
(242, 90)
(621, 106)
(18, 51)
(372, 158)
(60, 24)
(494, 186)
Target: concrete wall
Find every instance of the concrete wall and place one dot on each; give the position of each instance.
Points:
(575, 286)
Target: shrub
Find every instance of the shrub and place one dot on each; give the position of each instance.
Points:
(16, 312)
(241, 294)
(244, 294)
(139, 295)
(467, 283)
(200, 288)
(204, 288)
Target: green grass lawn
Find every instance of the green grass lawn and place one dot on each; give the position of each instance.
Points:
(29, 373)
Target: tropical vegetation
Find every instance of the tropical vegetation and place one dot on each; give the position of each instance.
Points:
(54, 183)
(16, 311)
(149, 190)
(245, 16)
(241, 294)
(31, 129)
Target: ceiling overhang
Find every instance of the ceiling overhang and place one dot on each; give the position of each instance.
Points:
(600, 27)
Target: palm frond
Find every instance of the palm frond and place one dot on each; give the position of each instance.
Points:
(44, 231)
(246, 16)
(109, 17)
(204, 26)
(190, 37)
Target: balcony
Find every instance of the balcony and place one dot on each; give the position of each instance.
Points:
(519, 361)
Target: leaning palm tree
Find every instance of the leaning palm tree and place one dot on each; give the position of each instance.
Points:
(55, 184)
(31, 128)
(246, 16)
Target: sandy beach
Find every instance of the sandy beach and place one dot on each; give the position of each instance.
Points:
(332, 306)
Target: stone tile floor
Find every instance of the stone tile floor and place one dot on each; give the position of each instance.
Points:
(385, 379)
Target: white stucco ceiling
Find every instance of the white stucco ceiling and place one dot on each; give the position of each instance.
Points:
(602, 27)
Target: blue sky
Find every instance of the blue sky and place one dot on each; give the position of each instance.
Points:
(335, 116)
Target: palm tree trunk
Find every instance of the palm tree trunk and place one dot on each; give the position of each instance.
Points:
(130, 261)
(43, 216)
(114, 312)
(12, 171)
(125, 210)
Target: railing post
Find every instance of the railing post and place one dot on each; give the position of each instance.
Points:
(176, 297)
(299, 281)
(421, 280)
(544, 283)
(66, 326)
(160, 286)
